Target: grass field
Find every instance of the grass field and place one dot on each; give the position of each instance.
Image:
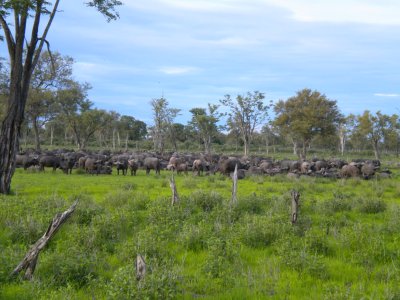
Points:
(345, 245)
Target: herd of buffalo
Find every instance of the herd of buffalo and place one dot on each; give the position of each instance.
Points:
(103, 162)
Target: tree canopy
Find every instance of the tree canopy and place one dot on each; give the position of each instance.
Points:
(305, 116)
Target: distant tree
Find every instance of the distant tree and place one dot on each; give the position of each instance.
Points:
(246, 113)
(205, 124)
(50, 74)
(77, 113)
(305, 116)
(376, 129)
(26, 25)
(132, 129)
(163, 117)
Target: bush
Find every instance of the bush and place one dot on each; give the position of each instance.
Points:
(252, 204)
(258, 231)
(371, 206)
(160, 282)
(206, 201)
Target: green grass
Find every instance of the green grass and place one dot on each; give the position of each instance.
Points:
(344, 246)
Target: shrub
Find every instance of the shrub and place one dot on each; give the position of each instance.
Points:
(194, 237)
(160, 282)
(258, 231)
(252, 204)
(206, 201)
(222, 258)
(371, 206)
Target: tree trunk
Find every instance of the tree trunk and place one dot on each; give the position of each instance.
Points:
(11, 127)
(113, 139)
(207, 144)
(303, 154)
(36, 133)
(375, 144)
(295, 148)
(51, 135)
(126, 142)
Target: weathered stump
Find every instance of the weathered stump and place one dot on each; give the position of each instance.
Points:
(234, 186)
(140, 267)
(30, 260)
(175, 196)
(295, 205)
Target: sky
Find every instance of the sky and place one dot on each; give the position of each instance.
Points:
(194, 52)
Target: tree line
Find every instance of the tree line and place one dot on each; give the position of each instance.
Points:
(59, 113)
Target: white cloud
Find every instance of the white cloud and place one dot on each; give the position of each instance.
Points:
(386, 95)
(178, 70)
(343, 11)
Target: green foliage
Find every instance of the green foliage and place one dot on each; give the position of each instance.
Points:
(371, 206)
(204, 246)
(206, 201)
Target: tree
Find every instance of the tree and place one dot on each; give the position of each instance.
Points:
(378, 129)
(163, 117)
(25, 40)
(205, 124)
(50, 74)
(305, 116)
(133, 129)
(246, 113)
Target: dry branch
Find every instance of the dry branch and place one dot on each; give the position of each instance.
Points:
(295, 205)
(30, 260)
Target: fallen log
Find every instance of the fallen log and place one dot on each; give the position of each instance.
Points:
(30, 260)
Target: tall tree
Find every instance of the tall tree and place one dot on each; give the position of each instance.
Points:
(51, 73)
(246, 112)
(205, 123)
(163, 117)
(305, 116)
(376, 129)
(132, 129)
(25, 40)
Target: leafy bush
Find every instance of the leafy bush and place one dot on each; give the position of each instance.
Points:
(258, 231)
(252, 204)
(206, 201)
(160, 282)
(371, 206)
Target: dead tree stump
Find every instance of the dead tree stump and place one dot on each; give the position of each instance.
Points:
(234, 186)
(140, 267)
(295, 205)
(175, 196)
(30, 260)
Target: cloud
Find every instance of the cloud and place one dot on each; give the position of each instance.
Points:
(178, 70)
(342, 11)
(386, 95)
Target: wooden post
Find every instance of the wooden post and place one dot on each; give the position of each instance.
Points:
(175, 196)
(30, 260)
(295, 205)
(234, 186)
(140, 266)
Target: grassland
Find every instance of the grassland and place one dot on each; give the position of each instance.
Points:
(345, 245)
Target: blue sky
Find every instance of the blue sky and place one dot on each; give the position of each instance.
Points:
(195, 51)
